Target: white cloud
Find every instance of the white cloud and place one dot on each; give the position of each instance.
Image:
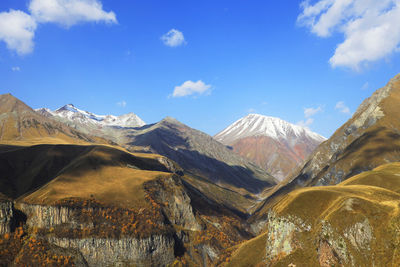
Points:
(17, 30)
(365, 86)
(305, 123)
(122, 104)
(173, 38)
(308, 112)
(16, 68)
(70, 12)
(190, 88)
(251, 110)
(370, 28)
(342, 107)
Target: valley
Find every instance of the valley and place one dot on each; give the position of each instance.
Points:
(80, 189)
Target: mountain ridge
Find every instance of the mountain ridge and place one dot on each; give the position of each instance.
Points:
(74, 114)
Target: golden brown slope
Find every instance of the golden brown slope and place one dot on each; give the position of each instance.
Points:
(24, 169)
(355, 223)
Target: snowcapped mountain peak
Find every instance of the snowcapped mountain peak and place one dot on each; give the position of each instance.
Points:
(260, 125)
(71, 113)
(274, 144)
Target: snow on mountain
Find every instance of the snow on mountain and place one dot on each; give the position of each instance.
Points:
(72, 113)
(258, 125)
(277, 146)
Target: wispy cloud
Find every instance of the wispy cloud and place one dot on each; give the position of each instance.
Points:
(17, 28)
(305, 123)
(309, 112)
(191, 88)
(16, 68)
(173, 38)
(342, 107)
(370, 28)
(365, 86)
(122, 104)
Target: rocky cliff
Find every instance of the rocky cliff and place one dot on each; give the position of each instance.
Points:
(6, 216)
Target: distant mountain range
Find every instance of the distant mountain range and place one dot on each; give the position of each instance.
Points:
(272, 143)
(197, 152)
(73, 114)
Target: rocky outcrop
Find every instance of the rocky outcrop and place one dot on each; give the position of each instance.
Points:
(157, 250)
(281, 235)
(46, 216)
(6, 216)
(286, 234)
(170, 165)
(175, 200)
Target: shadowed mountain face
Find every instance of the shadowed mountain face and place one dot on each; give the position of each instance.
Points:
(200, 155)
(273, 144)
(18, 122)
(369, 139)
(25, 169)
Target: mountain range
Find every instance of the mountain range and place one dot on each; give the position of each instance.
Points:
(82, 189)
(71, 113)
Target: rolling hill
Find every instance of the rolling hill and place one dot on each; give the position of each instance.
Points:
(354, 223)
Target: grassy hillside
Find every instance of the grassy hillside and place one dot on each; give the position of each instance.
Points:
(25, 169)
(353, 223)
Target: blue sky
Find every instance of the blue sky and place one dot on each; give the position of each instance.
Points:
(301, 62)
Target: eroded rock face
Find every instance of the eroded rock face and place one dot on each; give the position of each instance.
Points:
(281, 235)
(335, 247)
(157, 250)
(154, 250)
(6, 216)
(43, 216)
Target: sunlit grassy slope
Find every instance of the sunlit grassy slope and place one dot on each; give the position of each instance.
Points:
(52, 172)
(372, 196)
